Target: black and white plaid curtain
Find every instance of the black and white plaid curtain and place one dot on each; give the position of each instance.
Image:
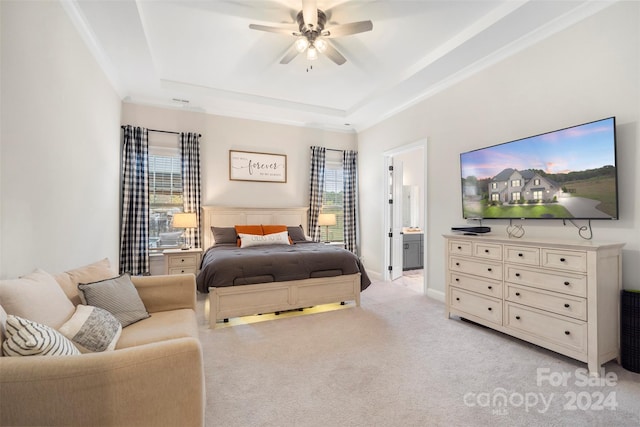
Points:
(350, 180)
(316, 188)
(134, 225)
(190, 160)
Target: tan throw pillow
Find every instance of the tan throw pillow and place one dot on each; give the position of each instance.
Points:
(37, 297)
(70, 279)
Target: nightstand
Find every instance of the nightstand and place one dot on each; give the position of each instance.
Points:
(179, 261)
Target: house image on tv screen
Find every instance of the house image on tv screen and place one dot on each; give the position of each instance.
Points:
(513, 186)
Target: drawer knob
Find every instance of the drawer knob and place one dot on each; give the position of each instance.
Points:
(457, 264)
(517, 274)
(490, 287)
(567, 333)
(486, 251)
(520, 255)
(489, 308)
(562, 260)
(566, 305)
(460, 247)
(488, 269)
(457, 279)
(457, 299)
(517, 317)
(517, 294)
(566, 283)
(182, 260)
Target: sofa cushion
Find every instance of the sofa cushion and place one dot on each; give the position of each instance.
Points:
(92, 329)
(27, 338)
(37, 297)
(70, 279)
(163, 325)
(118, 296)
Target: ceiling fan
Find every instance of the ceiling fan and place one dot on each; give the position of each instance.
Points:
(312, 36)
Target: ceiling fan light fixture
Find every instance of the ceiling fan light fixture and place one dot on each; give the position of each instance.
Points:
(312, 53)
(301, 44)
(320, 44)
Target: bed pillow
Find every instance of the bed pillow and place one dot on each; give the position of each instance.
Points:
(248, 240)
(27, 338)
(118, 296)
(224, 235)
(92, 329)
(255, 230)
(297, 234)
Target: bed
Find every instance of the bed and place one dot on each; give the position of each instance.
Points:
(238, 288)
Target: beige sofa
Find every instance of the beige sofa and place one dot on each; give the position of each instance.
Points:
(154, 377)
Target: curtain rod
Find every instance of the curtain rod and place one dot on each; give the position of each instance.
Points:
(164, 131)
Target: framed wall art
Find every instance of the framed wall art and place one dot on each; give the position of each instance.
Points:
(252, 166)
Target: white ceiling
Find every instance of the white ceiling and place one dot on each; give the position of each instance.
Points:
(167, 52)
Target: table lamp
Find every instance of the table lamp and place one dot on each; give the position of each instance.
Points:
(327, 220)
(186, 221)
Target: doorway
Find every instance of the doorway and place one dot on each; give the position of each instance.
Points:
(405, 224)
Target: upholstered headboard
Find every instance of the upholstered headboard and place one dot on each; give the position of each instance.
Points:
(221, 216)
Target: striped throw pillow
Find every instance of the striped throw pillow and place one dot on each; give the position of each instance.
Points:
(118, 296)
(27, 338)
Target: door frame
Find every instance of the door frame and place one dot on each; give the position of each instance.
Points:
(387, 156)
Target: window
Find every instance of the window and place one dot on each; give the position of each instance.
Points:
(515, 183)
(494, 185)
(332, 198)
(536, 181)
(515, 196)
(537, 194)
(495, 197)
(165, 198)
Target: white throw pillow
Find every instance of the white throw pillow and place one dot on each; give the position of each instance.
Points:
(248, 240)
(27, 338)
(92, 329)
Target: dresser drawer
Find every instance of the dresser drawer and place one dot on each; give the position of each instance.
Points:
(488, 251)
(522, 255)
(490, 270)
(492, 288)
(183, 261)
(486, 308)
(573, 284)
(559, 330)
(567, 305)
(183, 270)
(460, 247)
(565, 260)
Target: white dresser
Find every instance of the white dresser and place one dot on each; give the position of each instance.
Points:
(563, 296)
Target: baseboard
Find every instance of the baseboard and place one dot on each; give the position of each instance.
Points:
(437, 295)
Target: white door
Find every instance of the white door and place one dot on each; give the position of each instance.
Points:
(396, 220)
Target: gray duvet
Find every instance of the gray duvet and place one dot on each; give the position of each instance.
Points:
(229, 265)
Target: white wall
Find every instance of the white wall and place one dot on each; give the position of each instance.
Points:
(220, 134)
(587, 72)
(59, 185)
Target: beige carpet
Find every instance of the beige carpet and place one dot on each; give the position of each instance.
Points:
(397, 361)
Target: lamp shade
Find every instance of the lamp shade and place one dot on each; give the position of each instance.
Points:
(327, 219)
(185, 220)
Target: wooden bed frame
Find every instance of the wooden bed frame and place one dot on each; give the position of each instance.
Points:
(235, 301)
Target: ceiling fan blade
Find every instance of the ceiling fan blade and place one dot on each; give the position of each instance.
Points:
(348, 29)
(289, 55)
(286, 29)
(310, 13)
(333, 54)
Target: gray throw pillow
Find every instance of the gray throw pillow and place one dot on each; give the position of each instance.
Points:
(118, 296)
(296, 234)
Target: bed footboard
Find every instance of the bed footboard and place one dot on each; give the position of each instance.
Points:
(246, 300)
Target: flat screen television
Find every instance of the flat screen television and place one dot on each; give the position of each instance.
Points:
(565, 174)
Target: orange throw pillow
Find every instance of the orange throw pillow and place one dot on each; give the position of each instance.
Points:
(249, 229)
